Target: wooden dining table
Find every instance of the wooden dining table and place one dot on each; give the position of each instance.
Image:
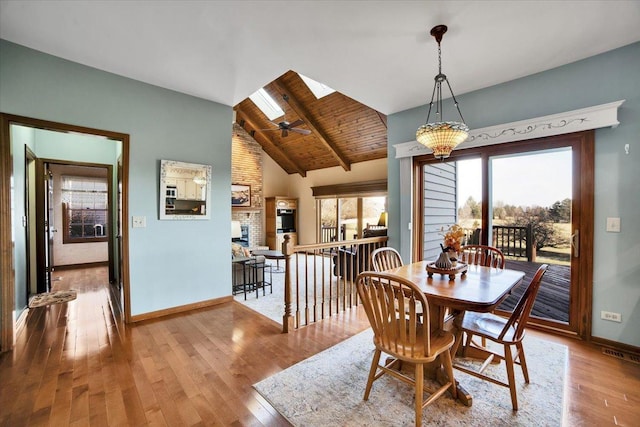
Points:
(480, 289)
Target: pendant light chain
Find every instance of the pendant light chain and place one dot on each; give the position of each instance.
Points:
(439, 59)
(441, 136)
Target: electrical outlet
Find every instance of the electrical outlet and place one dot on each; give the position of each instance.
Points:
(608, 315)
(139, 221)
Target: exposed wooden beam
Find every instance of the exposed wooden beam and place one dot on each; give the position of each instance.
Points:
(266, 142)
(302, 112)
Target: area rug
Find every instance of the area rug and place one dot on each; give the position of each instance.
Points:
(49, 298)
(327, 389)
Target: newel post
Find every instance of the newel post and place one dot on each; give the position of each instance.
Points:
(531, 245)
(287, 319)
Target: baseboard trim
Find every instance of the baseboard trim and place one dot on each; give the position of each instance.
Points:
(21, 321)
(180, 309)
(79, 266)
(622, 351)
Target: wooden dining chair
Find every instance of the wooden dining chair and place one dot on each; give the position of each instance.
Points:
(385, 258)
(508, 332)
(487, 256)
(404, 338)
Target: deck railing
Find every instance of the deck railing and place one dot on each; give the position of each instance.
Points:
(319, 279)
(514, 241)
(328, 233)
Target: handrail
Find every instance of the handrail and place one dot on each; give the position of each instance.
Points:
(320, 278)
(512, 240)
(516, 241)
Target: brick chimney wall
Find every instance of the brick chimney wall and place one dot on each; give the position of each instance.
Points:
(246, 169)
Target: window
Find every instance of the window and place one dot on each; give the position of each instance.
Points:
(266, 104)
(319, 89)
(84, 209)
(345, 211)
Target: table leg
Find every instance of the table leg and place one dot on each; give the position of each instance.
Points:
(434, 370)
(453, 323)
(278, 269)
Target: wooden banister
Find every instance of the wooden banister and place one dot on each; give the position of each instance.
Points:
(319, 278)
(287, 318)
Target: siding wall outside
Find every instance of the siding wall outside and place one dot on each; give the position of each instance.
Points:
(439, 205)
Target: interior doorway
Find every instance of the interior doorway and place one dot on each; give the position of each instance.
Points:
(17, 183)
(74, 219)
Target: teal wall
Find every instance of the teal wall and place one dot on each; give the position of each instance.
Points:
(79, 148)
(597, 80)
(172, 263)
(20, 137)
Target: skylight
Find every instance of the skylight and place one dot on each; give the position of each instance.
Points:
(266, 104)
(318, 89)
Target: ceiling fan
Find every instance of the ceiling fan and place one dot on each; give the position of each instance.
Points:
(285, 127)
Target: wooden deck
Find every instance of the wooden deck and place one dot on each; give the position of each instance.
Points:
(553, 297)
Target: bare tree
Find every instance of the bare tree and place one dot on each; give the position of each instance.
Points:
(544, 234)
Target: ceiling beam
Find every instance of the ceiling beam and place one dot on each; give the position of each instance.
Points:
(302, 112)
(382, 118)
(266, 142)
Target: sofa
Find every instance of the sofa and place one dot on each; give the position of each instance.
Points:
(349, 261)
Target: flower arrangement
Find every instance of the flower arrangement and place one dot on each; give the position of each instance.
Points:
(453, 238)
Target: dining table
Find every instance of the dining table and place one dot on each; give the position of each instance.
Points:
(479, 289)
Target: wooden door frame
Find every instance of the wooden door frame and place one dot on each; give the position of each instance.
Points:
(583, 148)
(41, 213)
(30, 186)
(7, 287)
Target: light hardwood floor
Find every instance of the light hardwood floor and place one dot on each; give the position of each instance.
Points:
(77, 364)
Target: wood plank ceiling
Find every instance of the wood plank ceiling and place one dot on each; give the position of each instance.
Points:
(343, 131)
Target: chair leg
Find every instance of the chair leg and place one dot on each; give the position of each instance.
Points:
(448, 366)
(508, 360)
(372, 373)
(466, 344)
(523, 362)
(419, 392)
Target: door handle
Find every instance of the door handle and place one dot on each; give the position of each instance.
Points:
(575, 243)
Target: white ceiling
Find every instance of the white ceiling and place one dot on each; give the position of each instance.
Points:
(377, 52)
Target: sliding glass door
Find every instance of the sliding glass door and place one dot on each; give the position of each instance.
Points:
(533, 200)
(530, 221)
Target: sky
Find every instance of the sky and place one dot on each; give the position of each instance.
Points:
(534, 179)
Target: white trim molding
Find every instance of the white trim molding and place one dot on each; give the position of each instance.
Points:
(599, 116)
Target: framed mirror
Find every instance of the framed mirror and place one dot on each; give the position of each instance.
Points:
(185, 190)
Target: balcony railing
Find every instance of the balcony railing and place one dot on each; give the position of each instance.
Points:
(319, 279)
(513, 241)
(328, 233)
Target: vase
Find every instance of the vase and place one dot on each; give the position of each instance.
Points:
(454, 257)
(443, 261)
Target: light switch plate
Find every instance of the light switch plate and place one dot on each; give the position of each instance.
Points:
(139, 221)
(613, 225)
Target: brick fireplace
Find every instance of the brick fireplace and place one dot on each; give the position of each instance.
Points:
(246, 169)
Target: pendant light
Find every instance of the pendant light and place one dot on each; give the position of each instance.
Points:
(441, 136)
